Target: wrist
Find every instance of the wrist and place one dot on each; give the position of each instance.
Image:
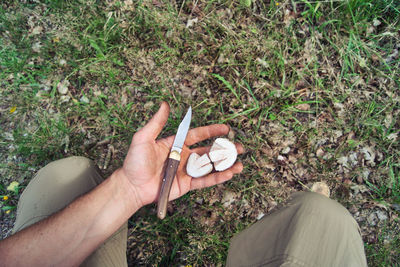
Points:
(126, 191)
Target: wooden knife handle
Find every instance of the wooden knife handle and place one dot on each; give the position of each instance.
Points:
(170, 171)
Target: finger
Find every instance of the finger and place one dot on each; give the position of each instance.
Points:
(153, 128)
(239, 148)
(202, 133)
(216, 177)
(201, 150)
(206, 149)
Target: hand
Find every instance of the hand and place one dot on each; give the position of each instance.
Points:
(144, 163)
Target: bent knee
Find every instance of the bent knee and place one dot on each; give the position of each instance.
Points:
(72, 162)
(70, 170)
(314, 202)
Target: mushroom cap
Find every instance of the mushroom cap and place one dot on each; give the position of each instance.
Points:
(198, 166)
(223, 154)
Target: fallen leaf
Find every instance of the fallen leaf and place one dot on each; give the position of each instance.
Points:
(13, 187)
(37, 30)
(303, 107)
(36, 47)
(228, 199)
(62, 87)
(13, 109)
(191, 22)
(392, 136)
(148, 105)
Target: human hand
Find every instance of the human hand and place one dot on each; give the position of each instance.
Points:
(144, 164)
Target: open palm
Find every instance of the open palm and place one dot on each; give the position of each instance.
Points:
(144, 163)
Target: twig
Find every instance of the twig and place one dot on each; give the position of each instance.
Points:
(180, 10)
(110, 152)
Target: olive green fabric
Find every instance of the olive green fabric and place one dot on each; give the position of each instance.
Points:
(54, 187)
(309, 230)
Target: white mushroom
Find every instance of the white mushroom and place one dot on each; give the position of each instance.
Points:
(223, 154)
(198, 166)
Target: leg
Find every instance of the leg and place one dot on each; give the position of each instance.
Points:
(54, 187)
(311, 230)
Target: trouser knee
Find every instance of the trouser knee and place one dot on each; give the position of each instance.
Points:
(54, 187)
(324, 206)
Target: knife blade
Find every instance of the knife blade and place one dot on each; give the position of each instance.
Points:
(172, 164)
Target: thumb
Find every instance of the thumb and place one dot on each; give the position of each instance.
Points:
(153, 128)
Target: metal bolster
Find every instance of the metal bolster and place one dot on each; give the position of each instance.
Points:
(177, 149)
(175, 155)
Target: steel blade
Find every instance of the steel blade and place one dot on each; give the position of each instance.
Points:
(182, 131)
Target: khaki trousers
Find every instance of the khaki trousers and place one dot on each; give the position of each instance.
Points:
(54, 187)
(308, 230)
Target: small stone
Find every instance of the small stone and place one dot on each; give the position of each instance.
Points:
(262, 62)
(392, 136)
(281, 158)
(199, 201)
(37, 30)
(376, 22)
(149, 105)
(62, 87)
(64, 98)
(321, 188)
(231, 134)
(286, 150)
(338, 133)
(62, 62)
(36, 47)
(260, 216)
(84, 99)
(191, 22)
(320, 153)
(303, 107)
(228, 199)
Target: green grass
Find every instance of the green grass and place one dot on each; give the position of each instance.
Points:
(384, 252)
(316, 77)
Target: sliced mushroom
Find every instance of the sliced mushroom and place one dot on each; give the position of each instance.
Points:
(198, 166)
(223, 154)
